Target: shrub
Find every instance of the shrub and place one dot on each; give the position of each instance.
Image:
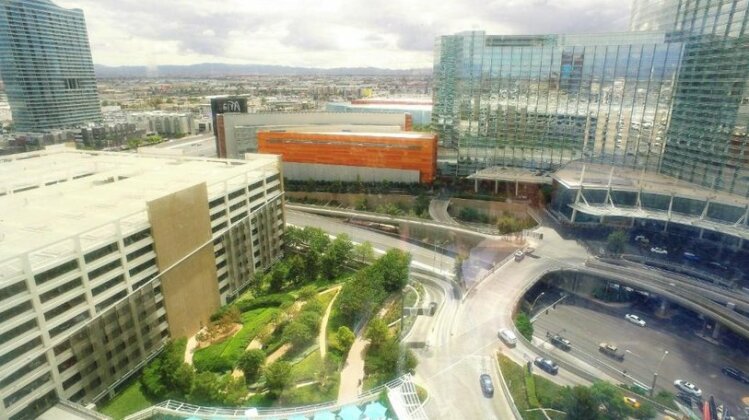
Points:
(524, 325)
(250, 364)
(345, 338)
(298, 333)
(269, 301)
(277, 376)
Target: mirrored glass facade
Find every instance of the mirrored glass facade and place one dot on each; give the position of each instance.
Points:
(670, 96)
(46, 65)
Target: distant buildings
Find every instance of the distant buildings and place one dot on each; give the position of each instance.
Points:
(46, 66)
(164, 123)
(237, 132)
(107, 255)
(419, 108)
(343, 155)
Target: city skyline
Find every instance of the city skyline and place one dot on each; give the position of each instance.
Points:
(338, 34)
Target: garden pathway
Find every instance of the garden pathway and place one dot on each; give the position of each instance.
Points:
(352, 374)
(192, 343)
(322, 338)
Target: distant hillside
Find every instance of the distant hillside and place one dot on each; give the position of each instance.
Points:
(220, 70)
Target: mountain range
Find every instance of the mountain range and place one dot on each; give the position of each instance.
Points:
(222, 70)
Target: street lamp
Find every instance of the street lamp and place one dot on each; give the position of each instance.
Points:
(535, 300)
(655, 374)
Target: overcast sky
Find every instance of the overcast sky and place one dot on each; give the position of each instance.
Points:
(319, 33)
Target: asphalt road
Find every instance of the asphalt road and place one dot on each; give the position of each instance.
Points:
(689, 358)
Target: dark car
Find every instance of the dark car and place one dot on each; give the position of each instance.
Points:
(486, 385)
(560, 342)
(734, 373)
(547, 364)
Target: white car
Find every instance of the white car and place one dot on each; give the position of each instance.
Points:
(635, 319)
(688, 387)
(659, 251)
(508, 337)
(519, 254)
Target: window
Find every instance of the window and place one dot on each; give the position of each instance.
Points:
(19, 373)
(143, 234)
(101, 252)
(108, 285)
(104, 269)
(59, 290)
(12, 290)
(12, 312)
(63, 307)
(53, 273)
(18, 330)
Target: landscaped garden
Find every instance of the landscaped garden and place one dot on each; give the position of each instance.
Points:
(284, 341)
(537, 398)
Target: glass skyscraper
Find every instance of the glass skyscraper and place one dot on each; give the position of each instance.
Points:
(669, 96)
(46, 65)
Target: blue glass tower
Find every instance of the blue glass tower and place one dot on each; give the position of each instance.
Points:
(46, 65)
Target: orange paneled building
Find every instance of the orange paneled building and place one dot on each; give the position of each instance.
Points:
(398, 150)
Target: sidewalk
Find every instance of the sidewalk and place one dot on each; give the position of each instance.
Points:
(353, 372)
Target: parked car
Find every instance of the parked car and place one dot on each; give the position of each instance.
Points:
(547, 364)
(688, 387)
(642, 239)
(734, 373)
(559, 341)
(631, 402)
(507, 336)
(635, 319)
(519, 255)
(487, 387)
(659, 250)
(690, 256)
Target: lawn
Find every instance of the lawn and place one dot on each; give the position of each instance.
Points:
(223, 356)
(312, 394)
(129, 401)
(546, 391)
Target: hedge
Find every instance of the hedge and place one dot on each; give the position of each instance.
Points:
(268, 301)
(223, 356)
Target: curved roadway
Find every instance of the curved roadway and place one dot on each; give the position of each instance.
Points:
(463, 336)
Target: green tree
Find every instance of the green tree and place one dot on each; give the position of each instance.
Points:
(310, 319)
(316, 239)
(364, 252)
(293, 238)
(232, 391)
(345, 338)
(393, 267)
(250, 363)
(609, 397)
(338, 252)
(312, 264)
(297, 333)
(277, 376)
(580, 404)
(206, 389)
(421, 205)
(616, 241)
(297, 271)
(308, 293)
(377, 332)
(524, 325)
(277, 277)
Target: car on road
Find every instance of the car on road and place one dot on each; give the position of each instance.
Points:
(631, 402)
(547, 364)
(658, 250)
(611, 350)
(519, 254)
(507, 336)
(487, 387)
(734, 373)
(635, 319)
(642, 239)
(688, 387)
(559, 341)
(691, 256)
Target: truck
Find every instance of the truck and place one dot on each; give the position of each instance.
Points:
(611, 350)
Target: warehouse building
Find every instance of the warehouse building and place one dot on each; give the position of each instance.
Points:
(346, 155)
(236, 133)
(104, 256)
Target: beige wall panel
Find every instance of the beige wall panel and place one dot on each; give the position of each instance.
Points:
(180, 224)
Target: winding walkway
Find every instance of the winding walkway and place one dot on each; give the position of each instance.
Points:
(322, 338)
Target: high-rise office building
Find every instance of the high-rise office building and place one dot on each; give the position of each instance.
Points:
(46, 65)
(669, 97)
(108, 255)
(540, 101)
(706, 139)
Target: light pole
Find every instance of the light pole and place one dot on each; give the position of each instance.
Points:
(655, 374)
(535, 300)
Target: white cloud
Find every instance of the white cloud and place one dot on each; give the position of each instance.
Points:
(327, 33)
